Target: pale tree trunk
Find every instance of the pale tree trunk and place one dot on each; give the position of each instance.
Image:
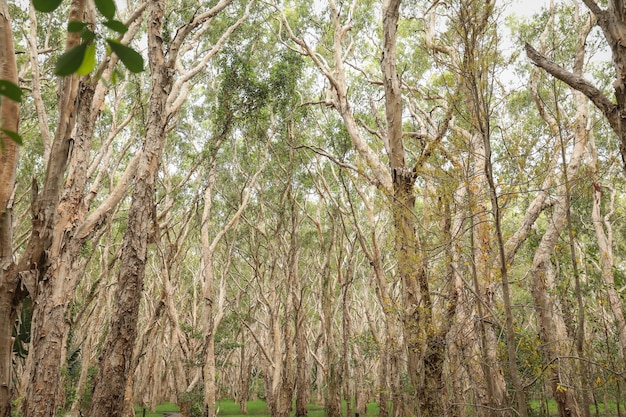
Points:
(285, 388)
(390, 333)
(555, 342)
(302, 363)
(117, 356)
(213, 312)
(488, 378)
(9, 119)
(245, 371)
(552, 329)
(332, 374)
(460, 356)
(348, 381)
(581, 131)
(603, 227)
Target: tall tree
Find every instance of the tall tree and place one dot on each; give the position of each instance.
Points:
(425, 342)
(9, 118)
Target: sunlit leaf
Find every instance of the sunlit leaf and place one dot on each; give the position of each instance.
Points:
(89, 60)
(106, 8)
(115, 75)
(129, 57)
(70, 61)
(46, 6)
(10, 90)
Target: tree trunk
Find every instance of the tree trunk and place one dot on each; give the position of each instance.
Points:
(244, 375)
(302, 382)
(9, 119)
(551, 330)
(332, 376)
(383, 378)
(117, 357)
(60, 228)
(604, 235)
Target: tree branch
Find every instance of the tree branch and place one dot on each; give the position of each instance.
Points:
(577, 82)
(593, 6)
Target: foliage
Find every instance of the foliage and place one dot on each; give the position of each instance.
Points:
(191, 403)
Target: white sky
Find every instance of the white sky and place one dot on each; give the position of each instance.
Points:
(526, 7)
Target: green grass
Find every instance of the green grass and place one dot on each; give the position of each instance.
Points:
(259, 408)
(160, 409)
(255, 408)
(536, 408)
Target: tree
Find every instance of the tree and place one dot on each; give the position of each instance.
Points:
(9, 118)
(425, 342)
(612, 21)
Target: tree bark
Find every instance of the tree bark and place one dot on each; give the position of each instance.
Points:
(551, 328)
(302, 363)
(117, 356)
(603, 228)
(9, 119)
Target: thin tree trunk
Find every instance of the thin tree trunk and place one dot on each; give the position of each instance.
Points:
(603, 227)
(551, 331)
(332, 376)
(302, 382)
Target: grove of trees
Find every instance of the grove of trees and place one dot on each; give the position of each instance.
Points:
(418, 203)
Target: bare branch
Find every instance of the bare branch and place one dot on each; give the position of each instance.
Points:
(593, 6)
(575, 81)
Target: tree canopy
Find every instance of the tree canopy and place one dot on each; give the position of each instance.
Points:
(414, 203)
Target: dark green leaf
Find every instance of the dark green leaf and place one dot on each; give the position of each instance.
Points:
(10, 90)
(46, 6)
(69, 62)
(13, 135)
(116, 25)
(106, 8)
(75, 26)
(129, 57)
(87, 35)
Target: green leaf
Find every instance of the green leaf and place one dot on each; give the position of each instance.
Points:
(76, 26)
(13, 135)
(10, 90)
(89, 60)
(70, 61)
(129, 57)
(116, 25)
(106, 8)
(87, 35)
(46, 6)
(115, 75)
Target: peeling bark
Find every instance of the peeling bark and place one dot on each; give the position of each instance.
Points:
(117, 356)
(9, 119)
